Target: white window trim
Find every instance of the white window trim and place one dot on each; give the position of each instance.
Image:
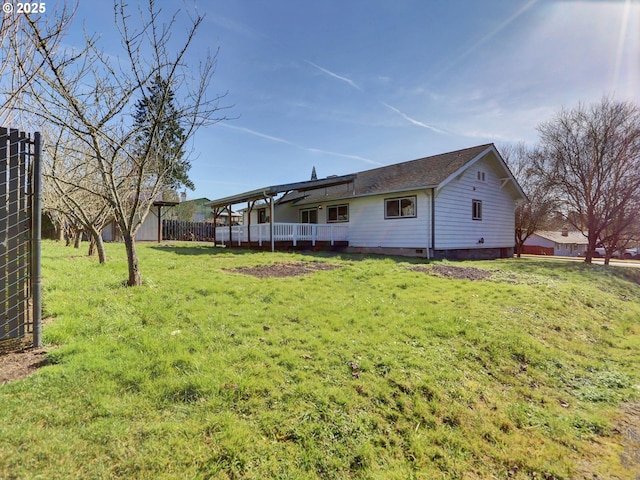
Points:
(476, 213)
(413, 199)
(337, 216)
(308, 210)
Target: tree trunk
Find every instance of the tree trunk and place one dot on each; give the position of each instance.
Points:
(96, 240)
(135, 279)
(77, 239)
(59, 232)
(591, 248)
(92, 246)
(519, 249)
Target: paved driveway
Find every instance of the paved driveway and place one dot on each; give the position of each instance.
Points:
(613, 262)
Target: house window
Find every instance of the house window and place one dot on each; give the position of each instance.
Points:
(262, 216)
(310, 215)
(476, 209)
(338, 213)
(404, 207)
(480, 176)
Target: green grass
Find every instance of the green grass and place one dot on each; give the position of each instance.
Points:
(372, 370)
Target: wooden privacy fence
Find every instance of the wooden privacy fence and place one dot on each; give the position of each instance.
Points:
(193, 231)
(19, 236)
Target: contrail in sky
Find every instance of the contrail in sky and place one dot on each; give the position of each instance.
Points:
(335, 75)
(413, 120)
(308, 149)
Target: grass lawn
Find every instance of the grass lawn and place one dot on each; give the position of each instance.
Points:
(372, 370)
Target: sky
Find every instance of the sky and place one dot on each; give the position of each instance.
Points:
(350, 85)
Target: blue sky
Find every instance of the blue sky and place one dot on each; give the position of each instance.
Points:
(349, 85)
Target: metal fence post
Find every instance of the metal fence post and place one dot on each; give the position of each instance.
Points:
(36, 243)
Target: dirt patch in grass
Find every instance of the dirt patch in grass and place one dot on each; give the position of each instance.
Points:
(284, 269)
(458, 273)
(629, 427)
(21, 363)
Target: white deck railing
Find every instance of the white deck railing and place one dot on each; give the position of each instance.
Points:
(292, 232)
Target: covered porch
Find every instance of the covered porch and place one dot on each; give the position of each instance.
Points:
(274, 235)
(285, 236)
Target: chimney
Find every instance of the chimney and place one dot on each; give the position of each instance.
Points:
(565, 232)
(183, 196)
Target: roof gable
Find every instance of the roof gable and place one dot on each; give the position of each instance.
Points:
(423, 172)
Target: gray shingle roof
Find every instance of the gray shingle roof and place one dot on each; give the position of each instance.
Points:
(557, 237)
(420, 173)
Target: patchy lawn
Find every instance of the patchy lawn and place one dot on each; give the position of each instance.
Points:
(256, 365)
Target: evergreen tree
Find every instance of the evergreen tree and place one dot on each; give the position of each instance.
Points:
(160, 135)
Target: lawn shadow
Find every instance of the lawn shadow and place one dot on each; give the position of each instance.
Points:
(200, 249)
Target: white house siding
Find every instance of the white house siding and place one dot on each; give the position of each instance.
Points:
(455, 228)
(367, 225)
(369, 228)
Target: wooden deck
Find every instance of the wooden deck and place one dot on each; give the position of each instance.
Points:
(286, 236)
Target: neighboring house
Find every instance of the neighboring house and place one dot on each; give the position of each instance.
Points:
(223, 218)
(195, 210)
(457, 205)
(564, 243)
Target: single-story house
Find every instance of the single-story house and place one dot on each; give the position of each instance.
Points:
(457, 205)
(565, 243)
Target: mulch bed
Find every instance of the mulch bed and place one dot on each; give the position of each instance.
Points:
(458, 273)
(280, 270)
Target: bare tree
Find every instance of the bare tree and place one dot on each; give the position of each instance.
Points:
(591, 160)
(19, 63)
(73, 188)
(535, 212)
(92, 97)
(623, 227)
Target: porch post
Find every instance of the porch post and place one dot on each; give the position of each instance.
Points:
(249, 207)
(272, 210)
(215, 222)
(230, 238)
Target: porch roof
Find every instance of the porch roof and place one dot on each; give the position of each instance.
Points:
(273, 190)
